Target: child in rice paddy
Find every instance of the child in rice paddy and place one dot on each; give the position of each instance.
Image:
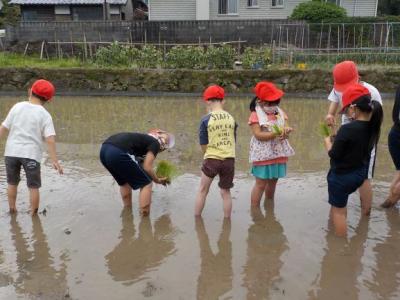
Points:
(129, 157)
(351, 150)
(217, 136)
(28, 125)
(269, 147)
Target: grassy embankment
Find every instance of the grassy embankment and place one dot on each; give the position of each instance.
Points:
(13, 60)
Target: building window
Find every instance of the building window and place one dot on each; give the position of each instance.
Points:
(252, 3)
(226, 7)
(277, 3)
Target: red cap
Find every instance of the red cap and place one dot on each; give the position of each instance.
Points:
(44, 89)
(352, 93)
(267, 91)
(344, 75)
(213, 92)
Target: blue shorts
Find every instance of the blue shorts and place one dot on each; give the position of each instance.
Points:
(394, 147)
(340, 186)
(123, 167)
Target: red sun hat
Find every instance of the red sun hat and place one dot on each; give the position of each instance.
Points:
(352, 93)
(344, 75)
(213, 92)
(267, 91)
(44, 89)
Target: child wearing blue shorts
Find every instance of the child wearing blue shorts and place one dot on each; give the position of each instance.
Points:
(129, 157)
(351, 150)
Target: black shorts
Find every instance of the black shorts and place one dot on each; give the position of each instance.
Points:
(123, 167)
(340, 186)
(224, 168)
(31, 168)
(394, 147)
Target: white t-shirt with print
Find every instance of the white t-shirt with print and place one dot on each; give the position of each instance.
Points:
(28, 124)
(336, 97)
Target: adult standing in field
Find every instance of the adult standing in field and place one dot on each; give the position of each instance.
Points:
(129, 157)
(346, 74)
(394, 149)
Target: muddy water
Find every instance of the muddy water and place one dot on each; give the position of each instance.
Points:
(86, 247)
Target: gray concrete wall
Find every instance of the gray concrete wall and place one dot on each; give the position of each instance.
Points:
(152, 32)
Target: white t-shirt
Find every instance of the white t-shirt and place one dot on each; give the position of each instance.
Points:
(336, 96)
(28, 124)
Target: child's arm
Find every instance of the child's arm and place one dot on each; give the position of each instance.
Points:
(51, 148)
(261, 135)
(204, 148)
(3, 131)
(148, 167)
(330, 117)
(328, 143)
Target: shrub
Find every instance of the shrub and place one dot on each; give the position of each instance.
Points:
(256, 58)
(316, 11)
(149, 57)
(9, 14)
(185, 58)
(115, 55)
(220, 57)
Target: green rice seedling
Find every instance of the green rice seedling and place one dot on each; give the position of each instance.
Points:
(276, 129)
(325, 130)
(165, 169)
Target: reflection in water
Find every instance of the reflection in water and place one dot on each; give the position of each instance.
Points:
(386, 279)
(266, 244)
(37, 278)
(216, 273)
(341, 265)
(134, 256)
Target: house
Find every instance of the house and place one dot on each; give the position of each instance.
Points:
(243, 9)
(72, 10)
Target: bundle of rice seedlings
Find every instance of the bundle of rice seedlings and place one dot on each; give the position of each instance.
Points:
(165, 169)
(325, 130)
(276, 129)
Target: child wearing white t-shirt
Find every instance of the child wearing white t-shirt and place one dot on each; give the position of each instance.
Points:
(28, 124)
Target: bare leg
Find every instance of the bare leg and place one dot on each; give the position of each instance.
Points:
(258, 191)
(366, 197)
(145, 199)
(126, 194)
(35, 199)
(270, 189)
(339, 218)
(12, 197)
(205, 184)
(227, 199)
(394, 192)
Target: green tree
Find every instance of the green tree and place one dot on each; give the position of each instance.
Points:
(318, 11)
(9, 14)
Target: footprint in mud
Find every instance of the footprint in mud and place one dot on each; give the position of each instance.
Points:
(149, 290)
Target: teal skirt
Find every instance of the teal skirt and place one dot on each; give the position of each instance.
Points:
(274, 171)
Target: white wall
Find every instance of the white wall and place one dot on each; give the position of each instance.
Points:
(202, 9)
(196, 9)
(357, 8)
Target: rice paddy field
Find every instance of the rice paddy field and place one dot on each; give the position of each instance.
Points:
(84, 245)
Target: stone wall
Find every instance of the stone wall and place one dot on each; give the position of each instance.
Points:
(89, 81)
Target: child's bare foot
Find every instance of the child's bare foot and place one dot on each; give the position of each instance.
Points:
(388, 204)
(13, 211)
